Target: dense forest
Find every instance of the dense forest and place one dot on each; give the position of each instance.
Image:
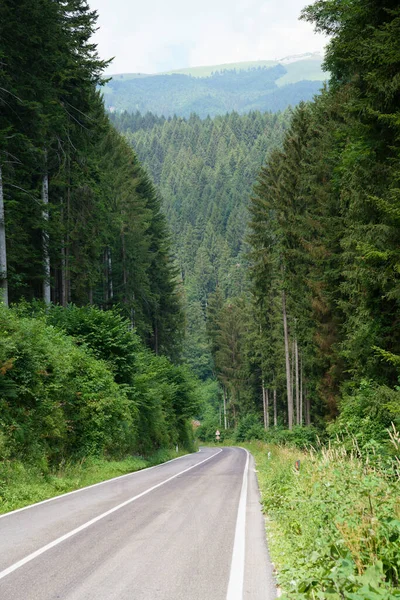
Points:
(80, 225)
(205, 170)
(311, 333)
(264, 88)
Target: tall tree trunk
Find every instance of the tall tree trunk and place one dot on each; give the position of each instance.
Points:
(267, 407)
(124, 271)
(298, 420)
(308, 408)
(110, 279)
(106, 288)
(292, 363)
(3, 250)
(301, 390)
(264, 392)
(45, 236)
(225, 417)
(275, 410)
(287, 361)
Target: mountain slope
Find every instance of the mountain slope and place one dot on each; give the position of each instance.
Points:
(214, 90)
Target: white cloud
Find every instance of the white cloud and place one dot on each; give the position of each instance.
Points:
(157, 35)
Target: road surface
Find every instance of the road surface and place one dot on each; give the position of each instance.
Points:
(190, 529)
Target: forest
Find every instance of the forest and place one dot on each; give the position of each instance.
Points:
(80, 226)
(284, 285)
(261, 88)
(240, 269)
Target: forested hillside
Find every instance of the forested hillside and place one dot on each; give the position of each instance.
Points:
(205, 170)
(80, 225)
(313, 330)
(215, 91)
(325, 235)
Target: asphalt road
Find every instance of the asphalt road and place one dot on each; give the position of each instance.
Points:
(190, 529)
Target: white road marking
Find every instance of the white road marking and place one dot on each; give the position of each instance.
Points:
(61, 539)
(235, 586)
(87, 487)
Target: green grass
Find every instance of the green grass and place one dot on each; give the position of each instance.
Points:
(21, 485)
(333, 527)
(309, 70)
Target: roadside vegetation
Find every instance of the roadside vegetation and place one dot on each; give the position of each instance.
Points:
(333, 523)
(22, 483)
(79, 393)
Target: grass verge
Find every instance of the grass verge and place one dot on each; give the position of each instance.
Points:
(333, 526)
(21, 484)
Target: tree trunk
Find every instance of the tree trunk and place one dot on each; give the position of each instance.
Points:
(267, 407)
(275, 410)
(308, 409)
(287, 361)
(45, 236)
(110, 280)
(301, 390)
(292, 363)
(225, 419)
(264, 391)
(298, 418)
(3, 250)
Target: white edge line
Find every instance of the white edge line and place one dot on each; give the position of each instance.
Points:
(68, 535)
(93, 485)
(236, 577)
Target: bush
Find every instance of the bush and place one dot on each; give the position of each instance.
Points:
(61, 400)
(365, 416)
(249, 428)
(300, 437)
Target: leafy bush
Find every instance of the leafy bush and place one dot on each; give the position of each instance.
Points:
(249, 428)
(300, 437)
(365, 417)
(62, 400)
(107, 333)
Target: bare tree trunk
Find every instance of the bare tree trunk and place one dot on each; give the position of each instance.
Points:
(267, 406)
(301, 390)
(298, 419)
(225, 419)
(287, 360)
(105, 270)
(110, 281)
(3, 249)
(275, 410)
(45, 236)
(308, 408)
(264, 405)
(292, 363)
(124, 272)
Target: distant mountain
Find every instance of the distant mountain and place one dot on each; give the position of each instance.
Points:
(218, 89)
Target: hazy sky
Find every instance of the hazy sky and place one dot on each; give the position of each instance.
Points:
(149, 36)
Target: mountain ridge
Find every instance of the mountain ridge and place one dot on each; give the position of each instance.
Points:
(218, 89)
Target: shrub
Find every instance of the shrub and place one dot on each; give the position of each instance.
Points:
(249, 428)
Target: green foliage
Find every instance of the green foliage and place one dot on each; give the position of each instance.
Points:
(22, 484)
(79, 383)
(366, 415)
(333, 526)
(299, 437)
(101, 227)
(249, 428)
(65, 401)
(106, 333)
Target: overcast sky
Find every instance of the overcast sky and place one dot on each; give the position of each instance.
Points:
(149, 36)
